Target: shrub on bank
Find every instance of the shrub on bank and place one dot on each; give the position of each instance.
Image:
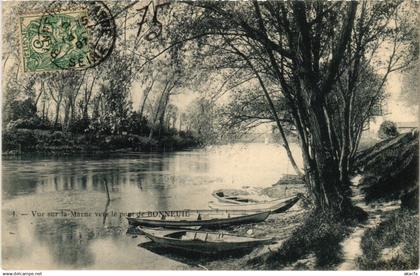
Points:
(393, 244)
(57, 138)
(386, 164)
(28, 140)
(129, 141)
(387, 129)
(147, 143)
(19, 139)
(177, 142)
(319, 235)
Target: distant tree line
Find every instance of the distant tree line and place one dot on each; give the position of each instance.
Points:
(94, 105)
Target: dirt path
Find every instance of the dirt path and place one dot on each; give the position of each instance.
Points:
(376, 213)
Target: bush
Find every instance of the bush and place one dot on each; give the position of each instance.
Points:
(388, 129)
(137, 125)
(391, 168)
(9, 140)
(117, 141)
(26, 139)
(19, 139)
(22, 109)
(43, 140)
(138, 143)
(28, 123)
(82, 139)
(400, 232)
(320, 235)
(97, 127)
(148, 143)
(79, 126)
(57, 138)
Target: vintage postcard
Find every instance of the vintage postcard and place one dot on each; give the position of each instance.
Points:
(210, 135)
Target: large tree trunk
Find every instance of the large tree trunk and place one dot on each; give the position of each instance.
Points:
(66, 120)
(43, 111)
(40, 94)
(329, 189)
(162, 115)
(145, 96)
(86, 100)
(57, 113)
(159, 107)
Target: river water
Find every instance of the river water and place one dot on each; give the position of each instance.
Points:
(41, 197)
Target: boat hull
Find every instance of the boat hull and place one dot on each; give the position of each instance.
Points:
(203, 246)
(238, 199)
(275, 206)
(209, 223)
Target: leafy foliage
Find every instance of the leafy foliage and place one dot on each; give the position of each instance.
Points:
(97, 101)
(320, 235)
(387, 129)
(400, 233)
(385, 164)
(22, 109)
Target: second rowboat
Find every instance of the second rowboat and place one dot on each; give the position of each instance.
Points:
(203, 218)
(275, 206)
(202, 241)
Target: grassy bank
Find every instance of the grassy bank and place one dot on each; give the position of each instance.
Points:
(307, 240)
(17, 141)
(317, 241)
(311, 240)
(389, 171)
(393, 244)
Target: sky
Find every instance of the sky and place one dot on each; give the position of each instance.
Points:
(396, 109)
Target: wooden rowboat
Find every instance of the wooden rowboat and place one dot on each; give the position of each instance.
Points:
(202, 241)
(203, 218)
(223, 196)
(275, 206)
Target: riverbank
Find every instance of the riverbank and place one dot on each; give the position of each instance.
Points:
(387, 190)
(22, 141)
(391, 192)
(278, 226)
(387, 239)
(392, 244)
(305, 240)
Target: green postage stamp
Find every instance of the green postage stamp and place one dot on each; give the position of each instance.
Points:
(54, 41)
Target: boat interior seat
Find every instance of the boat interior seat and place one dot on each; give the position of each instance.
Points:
(201, 236)
(197, 236)
(188, 236)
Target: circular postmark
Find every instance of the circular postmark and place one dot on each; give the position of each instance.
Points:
(100, 28)
(68, 35)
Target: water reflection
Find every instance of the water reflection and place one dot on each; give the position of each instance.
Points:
(68, 242)
(192, 258)
(135, 182)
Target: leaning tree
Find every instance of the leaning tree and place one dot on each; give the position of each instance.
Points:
(325, 58)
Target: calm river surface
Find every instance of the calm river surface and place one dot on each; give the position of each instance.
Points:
(137, 182)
